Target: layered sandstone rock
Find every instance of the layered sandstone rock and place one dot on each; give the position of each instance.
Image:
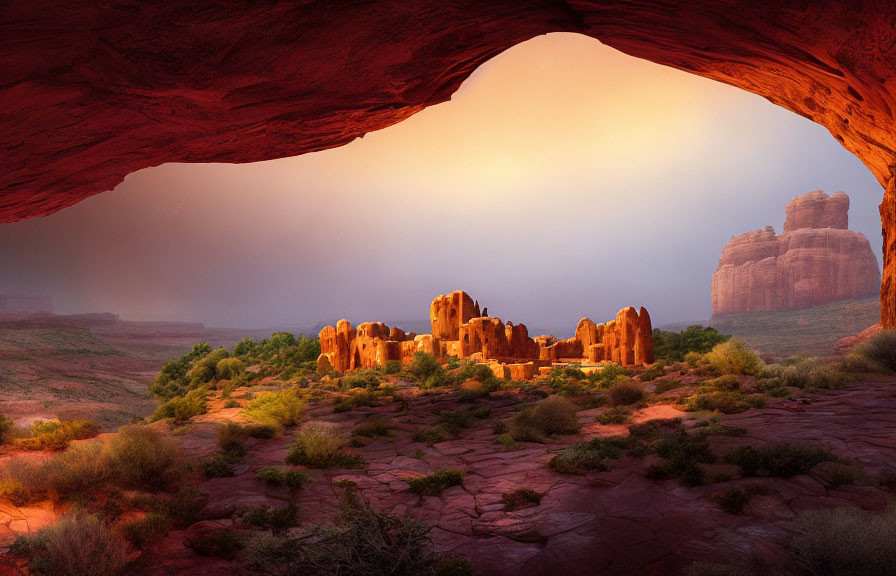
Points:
(459, 331)
(815, 261)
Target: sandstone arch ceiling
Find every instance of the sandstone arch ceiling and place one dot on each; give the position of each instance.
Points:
(89, 94)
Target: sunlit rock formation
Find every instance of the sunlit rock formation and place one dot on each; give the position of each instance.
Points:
(459, 331)
(816, 260)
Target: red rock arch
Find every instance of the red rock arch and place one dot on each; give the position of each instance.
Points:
(91, 93)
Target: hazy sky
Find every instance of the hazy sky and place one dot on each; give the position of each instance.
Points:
(563, 179)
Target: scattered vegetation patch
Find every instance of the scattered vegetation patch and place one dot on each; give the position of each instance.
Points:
(277, 409)
(734, 357)
(54, 435)
(625, 393)
(368, 378)
(182, 408)
(355, 399)
(321, 445)
(521, 498)
(361, 541)
(780, 460)
(374, 428)
(277, 520)
(724, 402)
(671, 346)
(881, 349)
(548, 417)
(428, 436)
(77, 545)
(224, 543)
(846, 542)
(615, 415)
(812, 374)
(282, 476)
(595, 454)
(734, 499)
(144, 530)
(434, 484)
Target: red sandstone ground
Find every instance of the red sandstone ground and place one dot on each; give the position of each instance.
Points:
(616, 522)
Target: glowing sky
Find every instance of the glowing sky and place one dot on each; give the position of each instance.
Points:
(563, 179)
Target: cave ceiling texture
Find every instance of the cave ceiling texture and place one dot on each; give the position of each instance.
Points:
(92, 91)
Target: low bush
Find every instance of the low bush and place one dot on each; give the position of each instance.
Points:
(625, 393)
(734, 357)
(773, 387)
(521, 498)
(278, 409)
(780, 460)
(264, 431)
(595, 454)
(6, 429)
(553, 415)
(724, 402)
(726, 383)
(672, 346)
(812, 374)
(361, 541)
(881, 349)
(846, 542)
(426, 370)
(428, 436)
(656, 370)
(182, 408)
(277, 520)
(217, 466)
(229, 368)
(321, 445)
(232, 438)
(142, 457)
(224, 543)
(144, 530)
(355, 400)
(281, 476)
(857, 363)
(507, 441)
(368, 378)
(434, 484)
(372, 429)
(608, 375)
(53, 435)
(616, 415)
(77, 473)
(77, 545)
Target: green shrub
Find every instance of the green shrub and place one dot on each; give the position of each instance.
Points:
(811, 374)
(595, 454)
(229, 368)
(625, 393)
(372, 429)
(428, 436)
(277, 409)
(780, 460)
(521, 498)
(217, 466)
(368, 378)
(881, 349)
(846, 542)
(355, 400)
(52, 435)
(223, 543)
(265, 431)
(182, 408)
(726, 383)
(77, 545)
(734, 357)
(734, 499)
(277, 520)
(434, 484)
(507, 441)
(232, 438)
(142, 457)
(79, 472)
(281, 476)
(6, 429)
(617, 415)
(724, 402)
(671, 346)
(361, 541)
(144, 530)
(553, 415)
(15, 492)
(321, 445)
(423, 367)
(773, 387)
(609, 374)
(656, 370)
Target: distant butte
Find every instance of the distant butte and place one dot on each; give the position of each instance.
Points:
(92, 92)
(815, 261)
